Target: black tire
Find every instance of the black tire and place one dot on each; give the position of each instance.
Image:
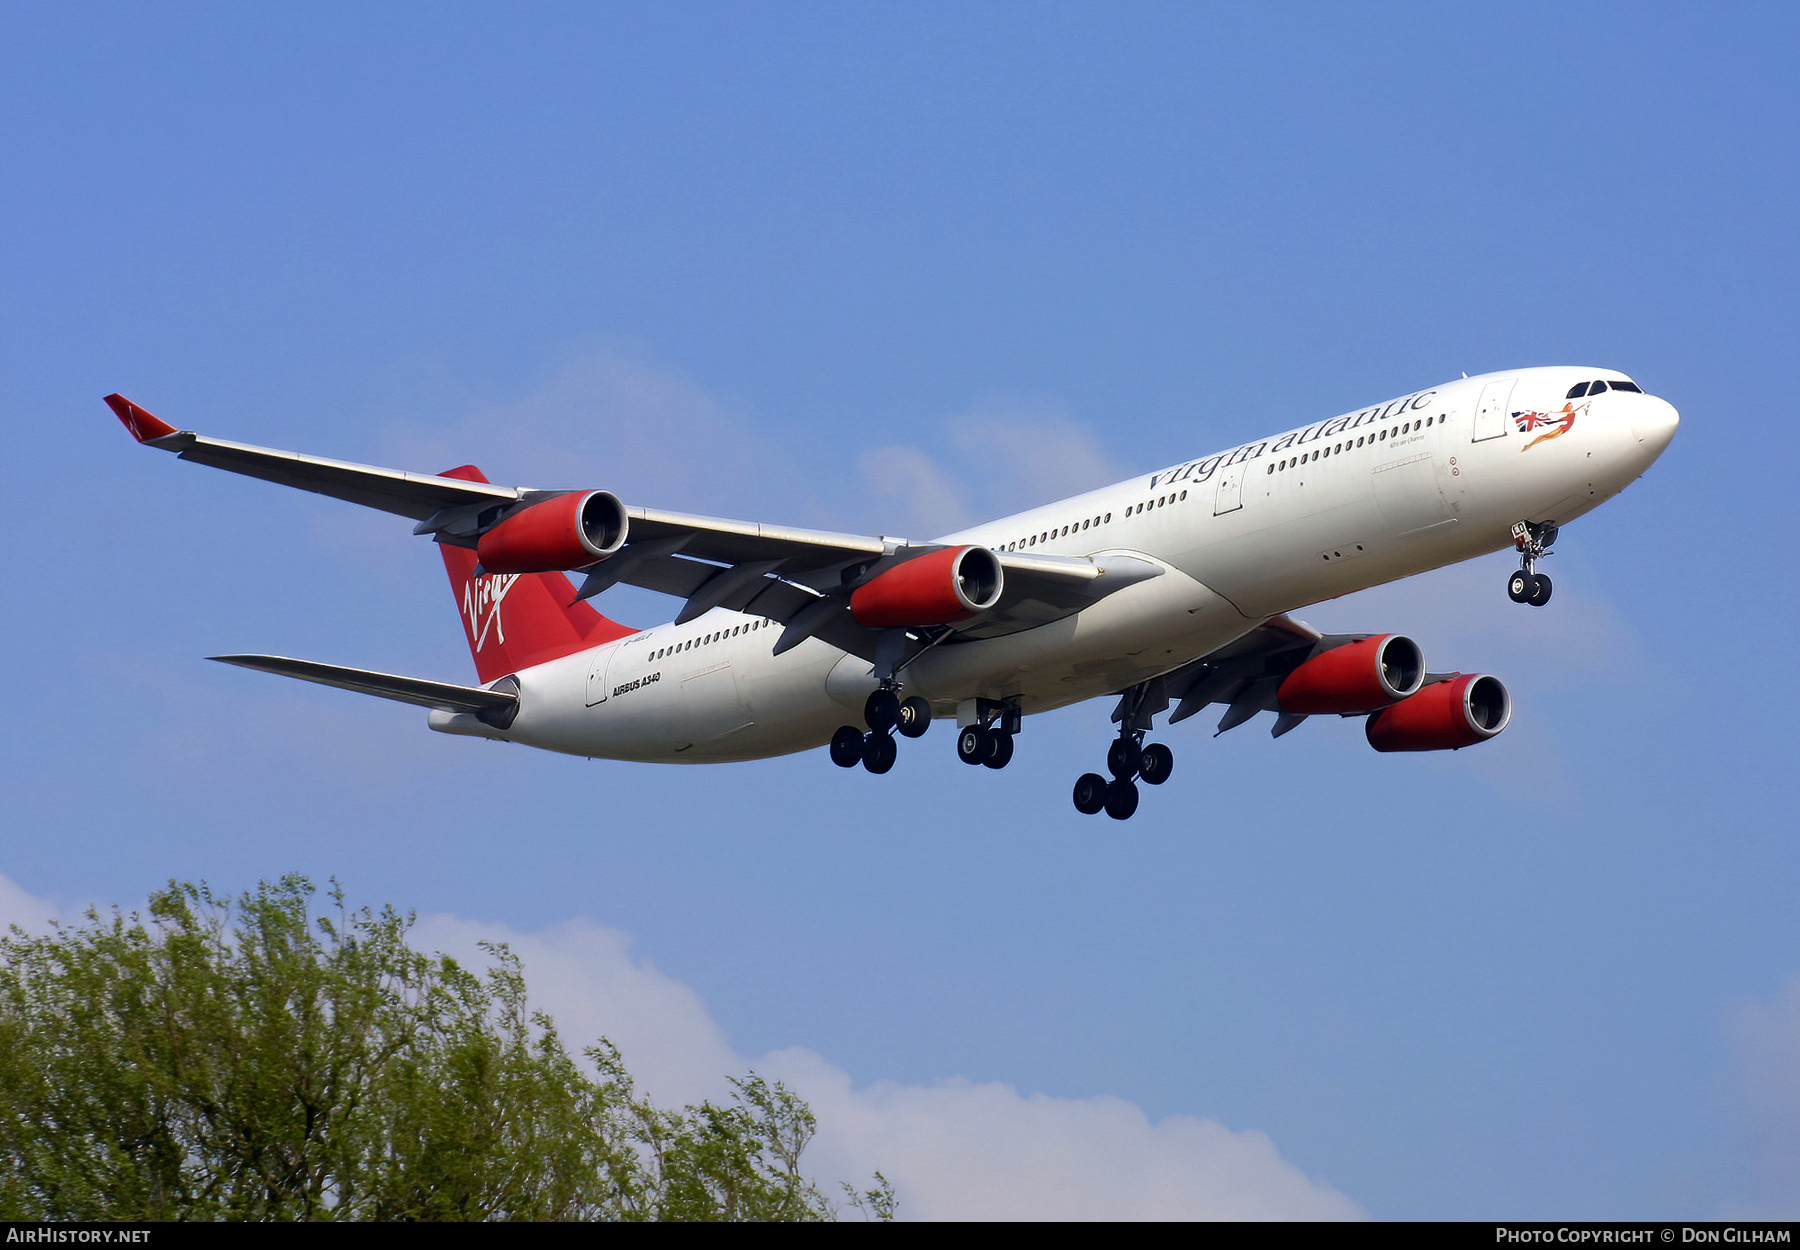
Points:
(972, 744)
(1000, 749)
(847, 746)
(1121, 799)
(1518, 586)
(879, 752)
(1123, 758)
(1157, 764)
(1540, 591)
(1090, 793)
(881, 710)
(915, 717)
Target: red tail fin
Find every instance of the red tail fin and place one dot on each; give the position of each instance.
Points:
(515, 620)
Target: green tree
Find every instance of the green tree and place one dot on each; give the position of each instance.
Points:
(254, 1062)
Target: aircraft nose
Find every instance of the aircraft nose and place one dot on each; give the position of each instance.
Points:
(1653, 423)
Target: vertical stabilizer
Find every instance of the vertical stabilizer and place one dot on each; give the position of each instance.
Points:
(515, 620)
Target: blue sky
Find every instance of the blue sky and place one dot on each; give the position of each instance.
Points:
(883, 268)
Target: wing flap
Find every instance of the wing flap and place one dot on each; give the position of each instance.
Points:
(739, 542)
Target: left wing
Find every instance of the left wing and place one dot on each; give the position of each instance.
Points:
(1244, 675)
(800, 578)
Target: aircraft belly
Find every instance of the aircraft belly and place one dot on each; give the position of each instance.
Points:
(737, 703)
(1127, 637)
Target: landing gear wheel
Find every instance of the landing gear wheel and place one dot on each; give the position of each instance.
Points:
(879, 752)
(847, 747)
(1540, 591)
(1000, 749)
(1123, 758)
(882, 710)
(915, 717)
(1158, 762)
(972, 744)
(1090, 793)
(1518, 586)
(1121, 799)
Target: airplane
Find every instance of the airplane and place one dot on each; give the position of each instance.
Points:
(1172, 589)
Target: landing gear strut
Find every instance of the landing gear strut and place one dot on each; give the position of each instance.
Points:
(1128, 759)
(1533, 541)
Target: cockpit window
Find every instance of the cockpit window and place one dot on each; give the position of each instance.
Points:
(1577, 391)
(1597, 387)
(1628, 386)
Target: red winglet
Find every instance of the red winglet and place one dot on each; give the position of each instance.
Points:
(142, 425)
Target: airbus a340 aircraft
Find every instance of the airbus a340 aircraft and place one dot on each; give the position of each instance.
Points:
(1167, 590)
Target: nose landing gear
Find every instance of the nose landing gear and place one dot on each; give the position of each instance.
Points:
(884, 712)
(1528, 585)
(1128, 759)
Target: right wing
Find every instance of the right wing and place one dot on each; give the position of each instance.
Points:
(800, 578)
(415, 495)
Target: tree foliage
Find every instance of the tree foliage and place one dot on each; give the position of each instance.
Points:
(255, 1062)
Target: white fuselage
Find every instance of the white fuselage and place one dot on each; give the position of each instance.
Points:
(1430, 479)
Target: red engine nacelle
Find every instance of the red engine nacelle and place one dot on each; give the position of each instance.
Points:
(1356, 677)
(568, 532)
(1445, 716)
(937, 589)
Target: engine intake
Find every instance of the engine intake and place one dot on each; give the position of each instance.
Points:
(936, 589)
(568, 532)
(1356, 677)
(1445, 716)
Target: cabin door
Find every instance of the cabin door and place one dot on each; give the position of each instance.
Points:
(598, 667)
(1490, 413)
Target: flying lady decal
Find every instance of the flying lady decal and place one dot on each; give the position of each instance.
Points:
(1552, 424)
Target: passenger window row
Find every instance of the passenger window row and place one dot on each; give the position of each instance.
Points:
(1073, 527)
(1338, 449)
(706, 640)
(1601, 386)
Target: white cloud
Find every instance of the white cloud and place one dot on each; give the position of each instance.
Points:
(953, 1149)
(991, 460)
(1031, 454)
(960, 1151)
(589, 979)
(1766, 1041)
(606, 418)
(28, 911)
(930, 501)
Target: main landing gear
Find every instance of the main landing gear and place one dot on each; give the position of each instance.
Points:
(884, 713)
(1129, 759)
(989, 740)
(1533, 541)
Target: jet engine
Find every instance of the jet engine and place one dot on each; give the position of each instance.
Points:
(1445, 716)
(568, 532)
(937, 589)
(1356, 677)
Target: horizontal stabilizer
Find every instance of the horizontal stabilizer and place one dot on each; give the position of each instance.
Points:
(492, 706)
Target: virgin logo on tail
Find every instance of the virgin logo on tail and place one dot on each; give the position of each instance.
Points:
(481, 605)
